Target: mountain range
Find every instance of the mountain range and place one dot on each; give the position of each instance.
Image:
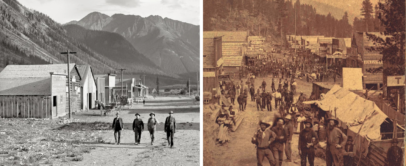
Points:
(338, 7)
(172, 45)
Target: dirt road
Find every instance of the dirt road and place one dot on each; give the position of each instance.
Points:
(239, 151)
(184, 152)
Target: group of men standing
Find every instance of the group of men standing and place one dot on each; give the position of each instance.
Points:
(138, 127)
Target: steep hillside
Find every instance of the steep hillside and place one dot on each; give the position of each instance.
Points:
(30, 37)
(111, 45)
(172, 45)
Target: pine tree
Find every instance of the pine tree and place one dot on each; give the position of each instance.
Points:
(367, 11)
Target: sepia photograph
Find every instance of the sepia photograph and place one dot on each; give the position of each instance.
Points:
(303, 82)
(100, 82)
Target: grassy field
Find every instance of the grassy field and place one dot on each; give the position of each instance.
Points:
(45, 142)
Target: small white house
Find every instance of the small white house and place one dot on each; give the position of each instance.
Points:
(88, 89)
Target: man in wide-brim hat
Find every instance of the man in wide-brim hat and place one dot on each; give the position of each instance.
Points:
(262, 139)
(170, 128)
(152, 126)
(336, 140)
(138, 127)
(307, 142)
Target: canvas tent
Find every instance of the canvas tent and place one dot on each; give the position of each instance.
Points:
(352, 108)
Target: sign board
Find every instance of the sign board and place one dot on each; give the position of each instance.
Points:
(223, 77)
(373, 62)
(352, 78)
(209, 74)
(396, 81)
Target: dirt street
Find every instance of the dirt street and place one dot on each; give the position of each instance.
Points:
(239, 151)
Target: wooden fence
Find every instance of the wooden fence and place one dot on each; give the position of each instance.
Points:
(25, 107)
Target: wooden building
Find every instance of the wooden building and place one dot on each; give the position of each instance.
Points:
(88, 89)
(109, 84)
(212, 64)
(371, 60)
(32, 97)
(43, 71)
(232, 66)
(233, 42)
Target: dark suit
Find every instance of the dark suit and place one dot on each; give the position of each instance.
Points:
(170, 127)
(138, 126)
(117, 126)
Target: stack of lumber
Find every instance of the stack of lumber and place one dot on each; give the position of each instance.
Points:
(238, 120)
(223, 135)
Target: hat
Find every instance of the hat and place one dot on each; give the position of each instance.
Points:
(152, 114)
(137, 114)
(308, 121)
(279, 118)
(289, 117)
(265, 123)
(170, 112)
(332, 118)
(394, 140)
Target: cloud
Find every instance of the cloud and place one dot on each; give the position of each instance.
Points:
(172, 3)
(124, 3)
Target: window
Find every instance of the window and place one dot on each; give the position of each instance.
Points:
(54, 101)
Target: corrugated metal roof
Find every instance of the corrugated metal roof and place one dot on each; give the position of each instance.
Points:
(25, 86)
(27, 71)
(233, 61)
(227, 36)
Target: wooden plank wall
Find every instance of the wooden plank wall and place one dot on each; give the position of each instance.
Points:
(25, 107)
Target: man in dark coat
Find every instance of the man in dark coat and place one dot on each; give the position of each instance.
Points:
(307, 142)
(117, 127)
(152, 126)
(252, 92)
(349, 148)
(240, 101)
(268, 101)
(273, 85)
(138, 127)
(263, 85)
(395, 154)
(170, 127)
(277, 145)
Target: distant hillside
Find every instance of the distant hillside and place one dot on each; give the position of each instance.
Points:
(336, 8)
(172, 45)
(113, 46)
(30, 37)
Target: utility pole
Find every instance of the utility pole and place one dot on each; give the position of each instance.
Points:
(188, 81)
(395, 128)
(122, 82)
(69, 84)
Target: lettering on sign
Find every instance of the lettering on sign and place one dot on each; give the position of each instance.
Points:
(373, 62)
(396, 81)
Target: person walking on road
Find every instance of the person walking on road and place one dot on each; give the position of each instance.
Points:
(138, 127)
(170, 128)
(152, 126)
(258, 100)
(289, 134)
(268, 101)
(336, 140)
(262, 139)
(117, 127)
(307, 142)
(277, 145)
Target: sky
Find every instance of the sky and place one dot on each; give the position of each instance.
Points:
(64, 11)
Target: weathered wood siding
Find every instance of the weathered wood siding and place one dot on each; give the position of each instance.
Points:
(25, 106)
